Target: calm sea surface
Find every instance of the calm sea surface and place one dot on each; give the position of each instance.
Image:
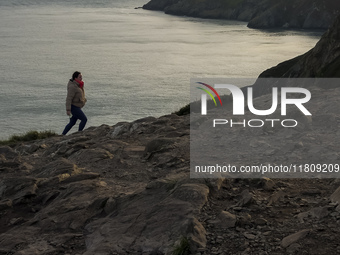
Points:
(135, 63)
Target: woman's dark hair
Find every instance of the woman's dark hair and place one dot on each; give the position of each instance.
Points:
(75, 75)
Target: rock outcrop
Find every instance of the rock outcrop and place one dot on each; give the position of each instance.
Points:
(107, 190)
(125, 189)
(306, 14)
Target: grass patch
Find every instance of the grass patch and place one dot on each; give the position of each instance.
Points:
(29, 136)
(183, 248)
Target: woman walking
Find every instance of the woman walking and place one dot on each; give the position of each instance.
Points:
(75, 100)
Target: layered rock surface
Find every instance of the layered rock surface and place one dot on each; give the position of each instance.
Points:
(108, 190)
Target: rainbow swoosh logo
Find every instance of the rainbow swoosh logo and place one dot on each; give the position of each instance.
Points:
(209, 93)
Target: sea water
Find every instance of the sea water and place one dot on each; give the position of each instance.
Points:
(135, 63)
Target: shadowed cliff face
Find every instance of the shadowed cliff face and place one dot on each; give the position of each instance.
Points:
(307, 14)
(321, 61)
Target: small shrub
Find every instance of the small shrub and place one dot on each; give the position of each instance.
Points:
(183, 248)
(29, 136)
(184, 110)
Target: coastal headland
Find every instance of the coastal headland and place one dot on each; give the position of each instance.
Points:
(295, 14)
(126, 188)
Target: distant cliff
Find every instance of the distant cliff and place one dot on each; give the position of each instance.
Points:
(306, 14)
(321, 61)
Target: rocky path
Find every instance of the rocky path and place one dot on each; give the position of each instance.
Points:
(263, 216)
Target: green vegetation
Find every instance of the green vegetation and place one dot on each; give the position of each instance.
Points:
(29, 136)
(183, 248)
